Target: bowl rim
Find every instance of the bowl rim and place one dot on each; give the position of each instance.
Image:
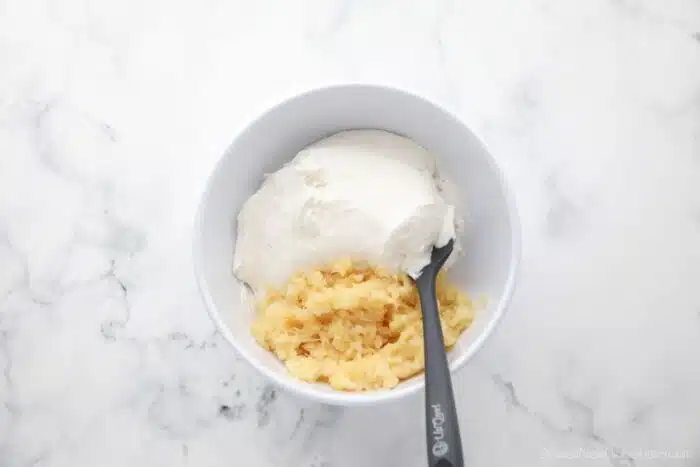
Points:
(356, 399)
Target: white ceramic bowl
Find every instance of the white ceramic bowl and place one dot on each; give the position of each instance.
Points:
(491, 238)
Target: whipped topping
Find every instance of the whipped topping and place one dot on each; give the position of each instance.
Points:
(364, 194)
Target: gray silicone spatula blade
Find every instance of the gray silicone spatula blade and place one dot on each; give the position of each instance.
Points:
(442, 426)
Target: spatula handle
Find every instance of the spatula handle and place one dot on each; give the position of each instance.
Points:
(442, 425)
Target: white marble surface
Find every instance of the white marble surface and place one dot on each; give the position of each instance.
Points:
(112, 113)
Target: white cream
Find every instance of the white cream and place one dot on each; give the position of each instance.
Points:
(364, 194)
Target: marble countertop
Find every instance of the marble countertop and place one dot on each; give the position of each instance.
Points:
(112, 114)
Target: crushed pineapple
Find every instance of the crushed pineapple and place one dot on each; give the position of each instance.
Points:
(354, 326)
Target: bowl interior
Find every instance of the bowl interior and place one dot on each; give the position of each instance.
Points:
(489, 239)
